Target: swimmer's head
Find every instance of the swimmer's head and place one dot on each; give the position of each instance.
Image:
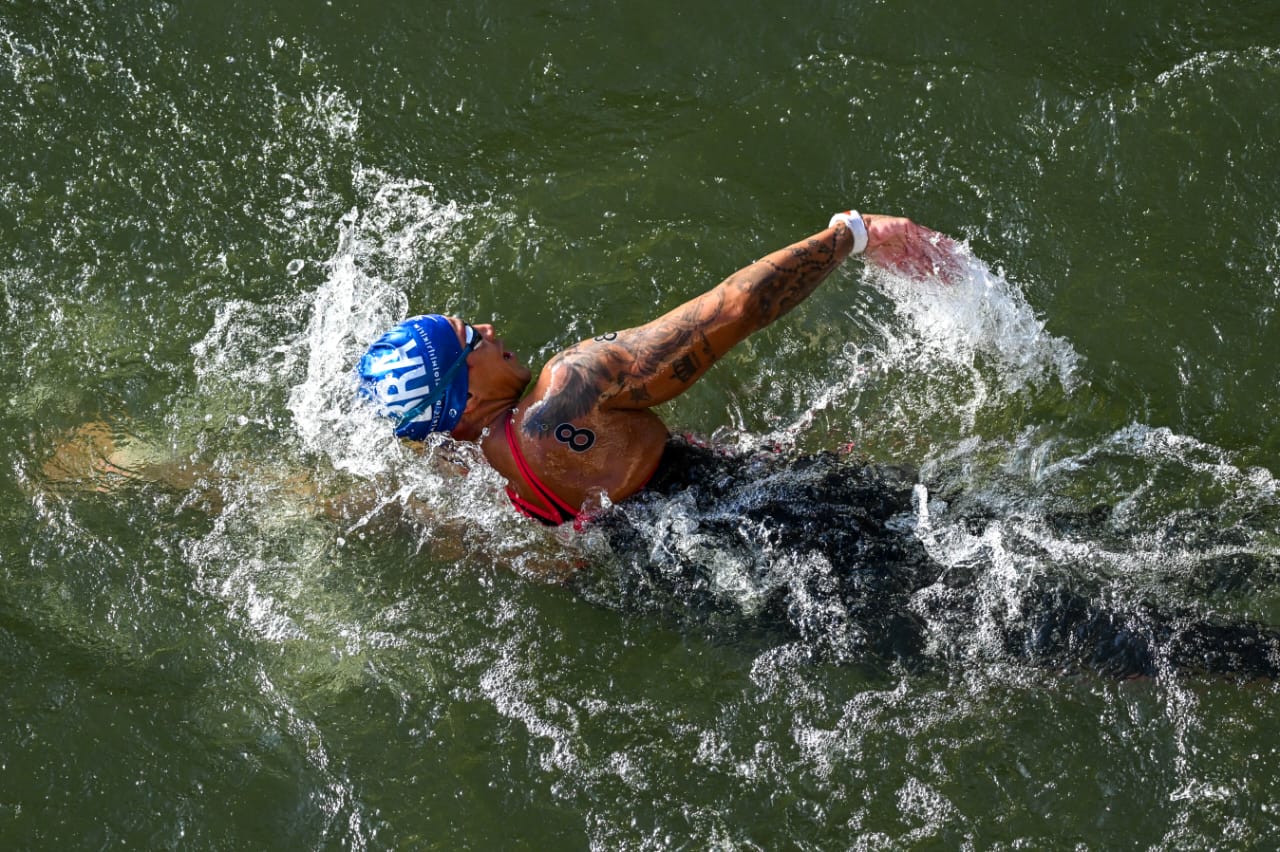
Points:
(416, 373)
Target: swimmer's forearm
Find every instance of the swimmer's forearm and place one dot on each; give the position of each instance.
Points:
(665, 357)
(772, 286)
(674, 351)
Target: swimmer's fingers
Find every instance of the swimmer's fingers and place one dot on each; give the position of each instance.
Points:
(921, 264)
(900, 245)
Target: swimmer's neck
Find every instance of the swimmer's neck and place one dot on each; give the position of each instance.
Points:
(484, 417)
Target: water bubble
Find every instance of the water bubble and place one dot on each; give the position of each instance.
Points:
(295, 266)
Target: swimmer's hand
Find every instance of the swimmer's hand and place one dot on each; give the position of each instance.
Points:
(900, 245)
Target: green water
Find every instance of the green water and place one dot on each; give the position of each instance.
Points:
(206, 209)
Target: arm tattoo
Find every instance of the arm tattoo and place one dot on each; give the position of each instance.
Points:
(580, 381)
(777, 284)
(584, 379)
(686, 367)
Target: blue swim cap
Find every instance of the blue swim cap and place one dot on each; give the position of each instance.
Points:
(417, 373)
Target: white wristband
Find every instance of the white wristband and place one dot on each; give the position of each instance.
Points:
(853, 221)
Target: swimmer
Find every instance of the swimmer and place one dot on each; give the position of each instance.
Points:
(838, 568)
(584, 432)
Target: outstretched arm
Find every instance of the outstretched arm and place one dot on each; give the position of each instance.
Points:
(655, 362)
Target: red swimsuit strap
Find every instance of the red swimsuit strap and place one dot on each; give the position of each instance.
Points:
(553, 510)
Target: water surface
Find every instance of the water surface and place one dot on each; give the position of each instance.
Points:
(208, 209)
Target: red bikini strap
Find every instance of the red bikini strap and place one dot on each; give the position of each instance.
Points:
(548, 497)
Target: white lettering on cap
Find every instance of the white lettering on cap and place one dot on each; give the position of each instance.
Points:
(404, 374)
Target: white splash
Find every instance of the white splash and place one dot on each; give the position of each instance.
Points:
(938, 353)
(401, 223)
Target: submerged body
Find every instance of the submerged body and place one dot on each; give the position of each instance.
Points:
(828, 551)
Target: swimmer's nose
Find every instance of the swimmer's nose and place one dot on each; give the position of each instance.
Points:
(486, 333)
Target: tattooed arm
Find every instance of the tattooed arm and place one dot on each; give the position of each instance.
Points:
(653, 363)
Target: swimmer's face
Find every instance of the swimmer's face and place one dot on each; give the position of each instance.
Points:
(493, 371)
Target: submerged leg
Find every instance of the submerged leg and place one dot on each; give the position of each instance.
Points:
(94, 457)
(1063, 628)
